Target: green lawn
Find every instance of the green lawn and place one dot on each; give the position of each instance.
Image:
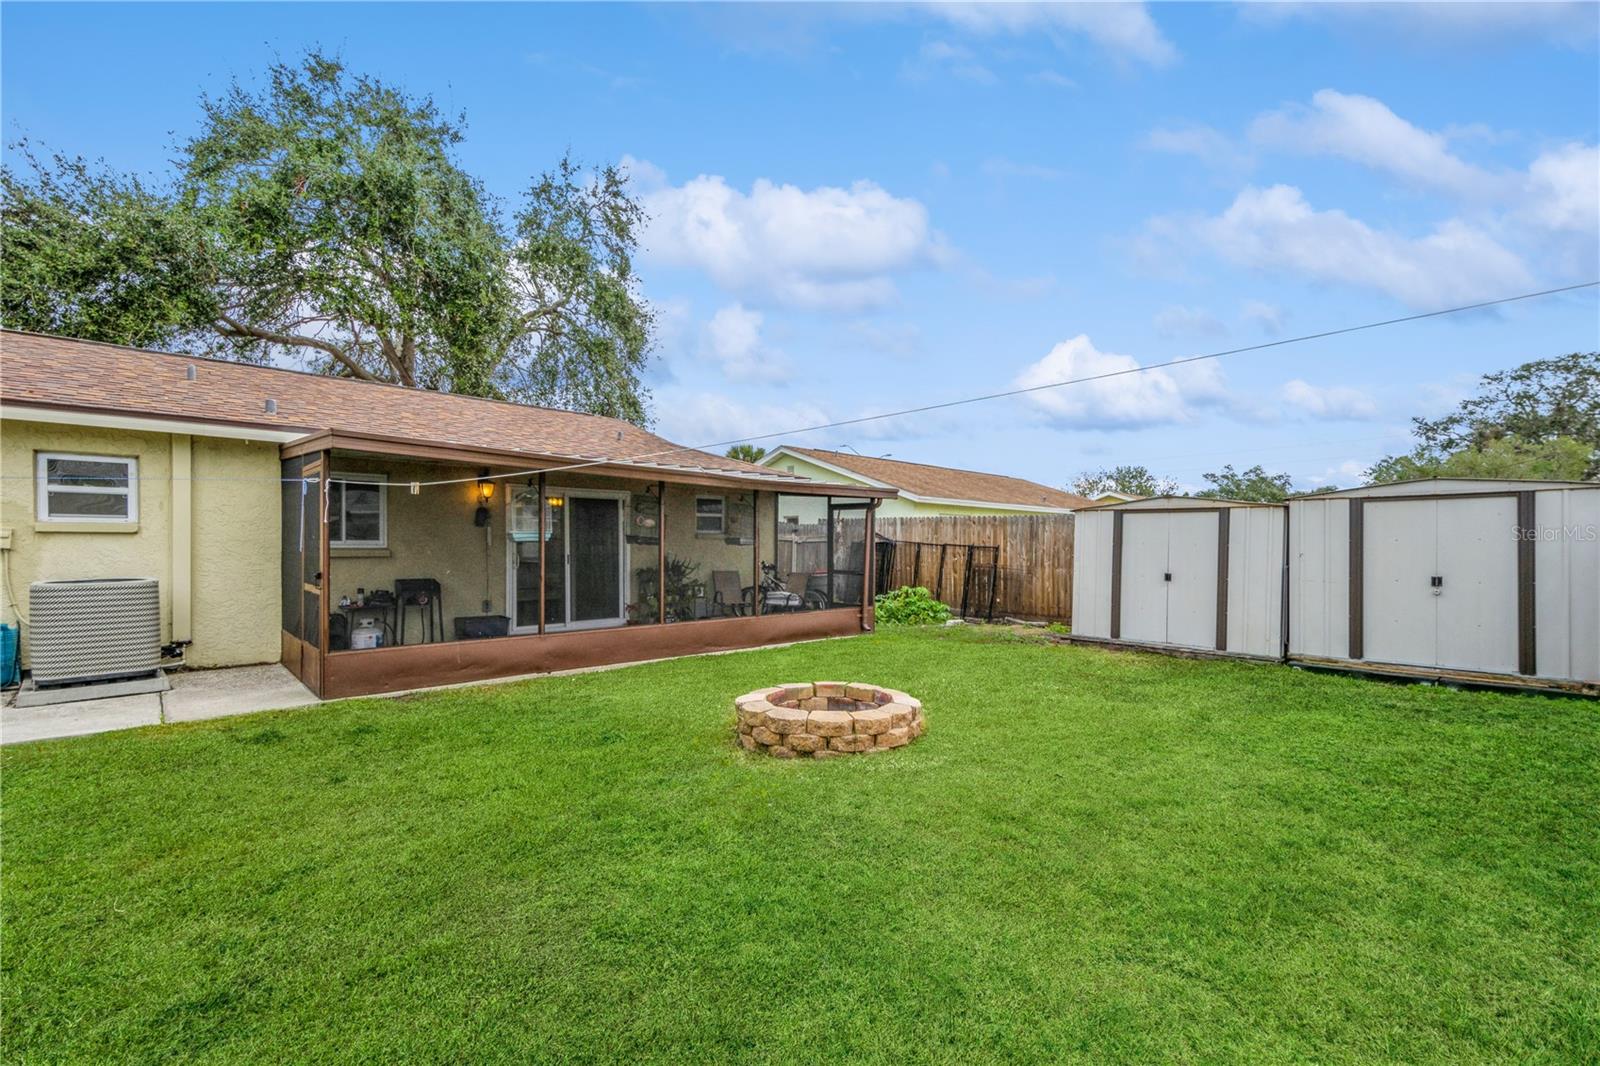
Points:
(1091, 856)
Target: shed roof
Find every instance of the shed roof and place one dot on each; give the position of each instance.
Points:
(1445, 486)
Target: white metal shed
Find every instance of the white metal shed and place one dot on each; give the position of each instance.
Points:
(1181, 572)
(1449, 577)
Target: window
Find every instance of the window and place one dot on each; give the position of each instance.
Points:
(709, 514)
(87, 488)
(358, 511)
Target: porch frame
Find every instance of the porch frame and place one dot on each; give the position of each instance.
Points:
(339, 674)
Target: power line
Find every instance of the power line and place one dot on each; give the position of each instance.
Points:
(981, 398)
(947, 404)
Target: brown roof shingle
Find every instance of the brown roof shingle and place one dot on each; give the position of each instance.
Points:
(36, 369)
(947, 483)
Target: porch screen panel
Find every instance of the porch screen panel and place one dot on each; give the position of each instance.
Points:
(800, 553)
(311, 553)
(711, 536)
(847, 545)
(289, 545)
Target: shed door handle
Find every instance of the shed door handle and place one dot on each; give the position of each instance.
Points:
(1438, 581)
(1167, 576)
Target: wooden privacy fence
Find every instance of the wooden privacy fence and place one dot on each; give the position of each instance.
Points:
(1033, 576)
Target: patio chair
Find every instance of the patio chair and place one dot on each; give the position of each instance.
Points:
(812, 589)
(728, 596)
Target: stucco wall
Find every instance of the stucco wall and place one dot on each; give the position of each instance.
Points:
(233, 562)
(429, 535)
(235, 555)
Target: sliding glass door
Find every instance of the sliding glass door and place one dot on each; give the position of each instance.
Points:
(585, 558)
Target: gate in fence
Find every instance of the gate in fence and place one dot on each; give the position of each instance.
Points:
(944, 570)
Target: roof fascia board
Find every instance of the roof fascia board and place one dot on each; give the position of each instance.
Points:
(68, 416)
(373, 444)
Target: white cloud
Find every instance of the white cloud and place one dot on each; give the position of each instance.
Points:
(1179, 321)
(1366, 131)
(901, 341)
(698, 418)
(941, 57)
(1275, 229)
(1563, 190)
(1203, 142)
(732, 340)
(1269, 318)
(1445, 23)
(1132, 398)
(1125, 29)
(824, 248)
(1328, 401)
(1054, 79)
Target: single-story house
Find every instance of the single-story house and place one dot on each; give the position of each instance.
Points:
(925, 490)
(377, 538)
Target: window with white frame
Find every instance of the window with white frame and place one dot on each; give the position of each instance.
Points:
(358, 511)
(710, 514)
(87, 488)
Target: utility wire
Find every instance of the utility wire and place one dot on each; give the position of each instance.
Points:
(947, 404)
(981, 398)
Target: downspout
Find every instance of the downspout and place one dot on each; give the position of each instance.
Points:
(182, 537)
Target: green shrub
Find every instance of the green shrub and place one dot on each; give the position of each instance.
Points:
(909, 606)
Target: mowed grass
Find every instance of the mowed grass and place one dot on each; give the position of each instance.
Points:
(1091, 856)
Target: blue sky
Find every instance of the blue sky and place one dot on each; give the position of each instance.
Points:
(863, 208)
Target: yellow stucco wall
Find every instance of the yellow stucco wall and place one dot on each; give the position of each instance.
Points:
(233, 560)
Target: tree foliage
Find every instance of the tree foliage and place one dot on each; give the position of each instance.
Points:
(1128, 480)
(749, 453)
(1538, 420)
(1252, 484)
(1556, 459)
(324, 218)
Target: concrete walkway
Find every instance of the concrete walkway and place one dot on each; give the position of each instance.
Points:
(195, 694)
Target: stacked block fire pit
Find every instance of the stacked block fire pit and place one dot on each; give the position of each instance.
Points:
(823, 719)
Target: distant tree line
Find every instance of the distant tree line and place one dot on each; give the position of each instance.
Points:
(1539, 420)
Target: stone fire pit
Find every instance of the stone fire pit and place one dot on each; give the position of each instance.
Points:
(826, 718)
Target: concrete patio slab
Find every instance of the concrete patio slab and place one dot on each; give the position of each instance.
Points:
(238, 690)
(19, 724)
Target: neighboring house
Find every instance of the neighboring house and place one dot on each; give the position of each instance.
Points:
(262, 499)
(923, 489)
(1113, 496)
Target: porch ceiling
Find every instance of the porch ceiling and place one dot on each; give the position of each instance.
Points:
(663, 468)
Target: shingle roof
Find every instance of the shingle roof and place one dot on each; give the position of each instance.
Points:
(947, 483)
(36, 369)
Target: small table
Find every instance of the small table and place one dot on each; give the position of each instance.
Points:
(383, 612)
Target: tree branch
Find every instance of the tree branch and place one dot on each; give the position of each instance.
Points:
(232, 327)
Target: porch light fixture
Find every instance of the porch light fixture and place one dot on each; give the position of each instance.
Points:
(480, 517)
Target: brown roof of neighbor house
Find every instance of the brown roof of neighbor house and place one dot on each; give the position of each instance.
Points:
(57, 372)
(947, 483)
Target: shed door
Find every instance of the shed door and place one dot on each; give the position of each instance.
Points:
(1400, 553)
(1468, 620)
(1192, 592)
(1144, 584)
(1478, 598)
